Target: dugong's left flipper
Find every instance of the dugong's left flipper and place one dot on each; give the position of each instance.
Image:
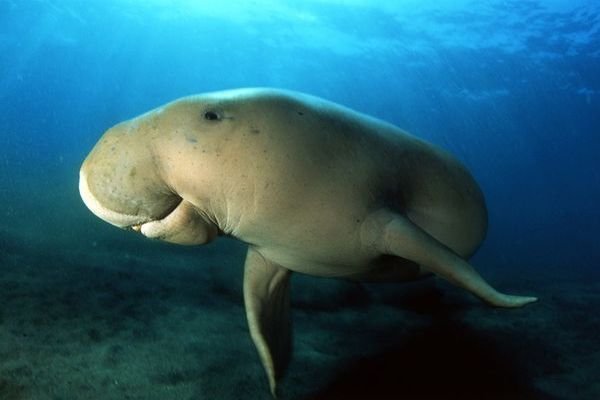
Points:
(396, 235)
(267, 299)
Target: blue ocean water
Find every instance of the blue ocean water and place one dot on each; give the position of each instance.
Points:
(512, 88)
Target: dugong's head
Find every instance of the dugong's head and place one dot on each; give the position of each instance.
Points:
(151, 173)
(120, 180)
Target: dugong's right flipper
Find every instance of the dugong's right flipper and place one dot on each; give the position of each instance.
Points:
(397, 235)
(267, 299)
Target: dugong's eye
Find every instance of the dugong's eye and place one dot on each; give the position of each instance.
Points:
(212, 116)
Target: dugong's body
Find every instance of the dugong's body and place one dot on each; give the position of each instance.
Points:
(310, 186)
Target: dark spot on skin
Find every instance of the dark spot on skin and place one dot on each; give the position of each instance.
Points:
(212, 116)
(133, 172)
(300, 113)
(191, 140)
(255, 131)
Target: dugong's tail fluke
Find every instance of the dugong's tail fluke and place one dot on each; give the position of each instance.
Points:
(398, 236)
(267, 299)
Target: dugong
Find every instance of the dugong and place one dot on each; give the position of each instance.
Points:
(311, 187)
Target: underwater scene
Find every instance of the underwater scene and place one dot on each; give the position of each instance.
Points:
(400, 202)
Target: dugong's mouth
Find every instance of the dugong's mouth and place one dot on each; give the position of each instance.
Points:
(119, 219)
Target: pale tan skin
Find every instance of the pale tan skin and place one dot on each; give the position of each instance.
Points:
(311, 186)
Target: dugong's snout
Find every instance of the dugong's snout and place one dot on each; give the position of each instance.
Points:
(120, 183)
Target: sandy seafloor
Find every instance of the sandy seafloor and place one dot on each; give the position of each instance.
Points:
(91, 312)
